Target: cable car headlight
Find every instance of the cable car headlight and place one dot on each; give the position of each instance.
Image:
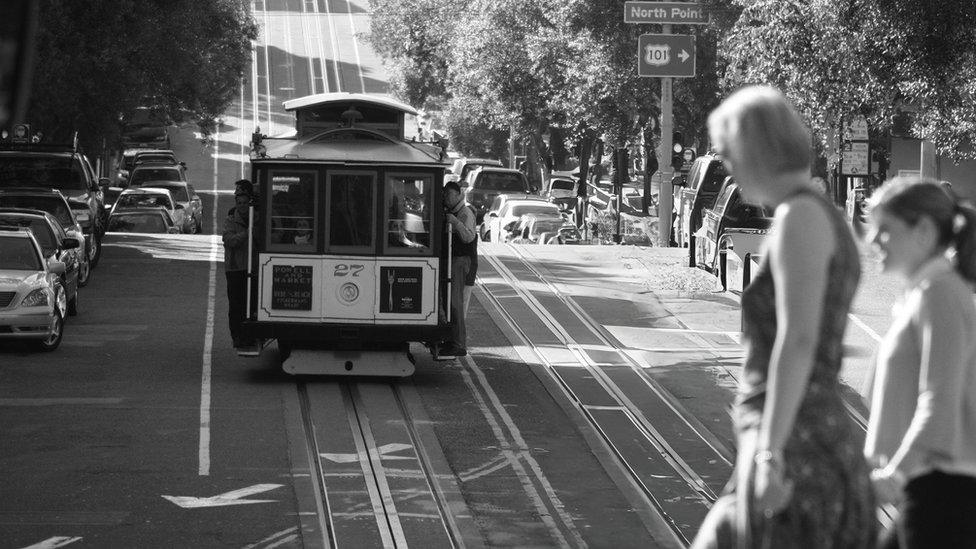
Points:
(348, 293)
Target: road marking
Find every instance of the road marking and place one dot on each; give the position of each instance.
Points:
(355, 49)
(867, 329)
(483, 469)
(228, 498)
(516, 451)
(52, 543)
(205, 375)
(384, 452)
(288, 533)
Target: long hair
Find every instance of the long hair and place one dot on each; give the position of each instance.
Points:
(911, 198)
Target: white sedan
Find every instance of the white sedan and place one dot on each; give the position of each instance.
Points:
(501, 225)
(33, 304)
(149, 197)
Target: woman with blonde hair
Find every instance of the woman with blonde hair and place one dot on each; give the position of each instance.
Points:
(922, 430)
(800, 477)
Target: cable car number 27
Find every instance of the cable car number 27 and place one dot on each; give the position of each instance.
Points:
(342, 269)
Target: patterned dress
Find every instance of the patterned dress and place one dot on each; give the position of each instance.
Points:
(833, 503)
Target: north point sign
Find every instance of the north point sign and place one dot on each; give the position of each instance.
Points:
(678, 13)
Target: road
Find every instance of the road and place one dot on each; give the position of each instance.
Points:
(592, 410)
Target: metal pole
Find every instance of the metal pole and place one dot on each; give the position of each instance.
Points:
(511, 146)
(664, 161)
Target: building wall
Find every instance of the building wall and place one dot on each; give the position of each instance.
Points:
(906, 155)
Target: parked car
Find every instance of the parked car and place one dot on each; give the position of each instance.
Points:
(146, 127)
(462, 167)
(131, 157)
(184, 195)
(142, 220)
(698, 193)
(55, 245)
(144, 174)
(486, 183)
(539, 228)
(54, 203)
(506, 221)
(729, 216)
(33, 304)
(151, 198)
(496, 205)
(65, 169)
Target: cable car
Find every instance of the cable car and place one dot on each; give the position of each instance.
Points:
(349, 257)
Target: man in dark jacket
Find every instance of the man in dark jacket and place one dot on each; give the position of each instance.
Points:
(464, 263)
(235, 260)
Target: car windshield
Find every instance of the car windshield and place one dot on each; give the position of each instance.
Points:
(18, 254)
(147, 222)
(561, 185)
(53, 205)
(47, 172)
(143, 201)
(178, 191)
(509, 182)
(141, 175)
(38, 226)
(519, 210)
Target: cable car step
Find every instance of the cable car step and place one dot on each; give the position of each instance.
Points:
(386, 363)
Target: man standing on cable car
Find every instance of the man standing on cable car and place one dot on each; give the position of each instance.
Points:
(464, 261)
(236, 230)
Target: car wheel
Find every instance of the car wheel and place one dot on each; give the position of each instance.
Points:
(94, 251)
(57, 333)
(84, 271)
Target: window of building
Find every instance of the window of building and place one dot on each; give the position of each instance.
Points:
(407, 220)
(292, 224)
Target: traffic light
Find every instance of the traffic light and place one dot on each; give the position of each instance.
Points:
(677, 151)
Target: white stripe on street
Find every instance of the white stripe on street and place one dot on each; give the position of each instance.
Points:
(272, 537)
(53, 543)
(208, 336)
(867, 329)
(355, 49)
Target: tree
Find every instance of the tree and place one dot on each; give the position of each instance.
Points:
(99, 59)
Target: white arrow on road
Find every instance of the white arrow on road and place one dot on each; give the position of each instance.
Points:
(385, 450)
(684, 56)
(229, 498)
(53, 543)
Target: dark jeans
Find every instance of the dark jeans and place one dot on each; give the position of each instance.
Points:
(939, 511)
(460, 267)
(236, 296)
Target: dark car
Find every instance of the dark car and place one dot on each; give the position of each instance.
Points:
(698, 193)
(142, 220)
(485, 183)
(730, 218)
(54, 203)
(150, 173)
(463, 167)
(146, 127)
(66, 170)
(55, 244)
(133, 157)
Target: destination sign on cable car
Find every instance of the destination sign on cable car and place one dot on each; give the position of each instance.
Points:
(291, 287)
(401, 290)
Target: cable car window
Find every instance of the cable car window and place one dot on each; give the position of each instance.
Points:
(352, 211)
(408, 207)
(292, 211)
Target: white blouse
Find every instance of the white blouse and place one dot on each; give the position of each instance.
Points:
(923, 399)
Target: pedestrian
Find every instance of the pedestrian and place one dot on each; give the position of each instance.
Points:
(464, 262)
(235, 237)
(922, 430)
(800, 477)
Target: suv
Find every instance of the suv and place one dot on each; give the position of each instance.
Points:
(65, 169)
(488, 182)
(146, 127)
(699, 192)
(463, 166)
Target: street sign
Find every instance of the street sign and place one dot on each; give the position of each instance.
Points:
(856, 158)
(666, 55)
(678, 13)
(856, 129)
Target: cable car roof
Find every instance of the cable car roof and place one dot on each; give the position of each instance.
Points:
(350, 145)
(345, 97)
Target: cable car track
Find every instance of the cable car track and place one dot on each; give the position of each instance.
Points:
(368, 459)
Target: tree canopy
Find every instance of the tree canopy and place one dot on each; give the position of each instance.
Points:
(98, 60)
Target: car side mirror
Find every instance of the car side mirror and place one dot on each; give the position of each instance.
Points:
(173, 230)
(195, 198)
(678, 181)
(70, 243)
(56, 267)
(180, 207)
(104, 182)
(492, 214)
(510, 226)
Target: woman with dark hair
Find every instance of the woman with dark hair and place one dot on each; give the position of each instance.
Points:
(922, 430)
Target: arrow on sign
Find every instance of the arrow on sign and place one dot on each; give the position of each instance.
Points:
(54, 543)
(229, 498)
(384, 450)
(684, 56)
